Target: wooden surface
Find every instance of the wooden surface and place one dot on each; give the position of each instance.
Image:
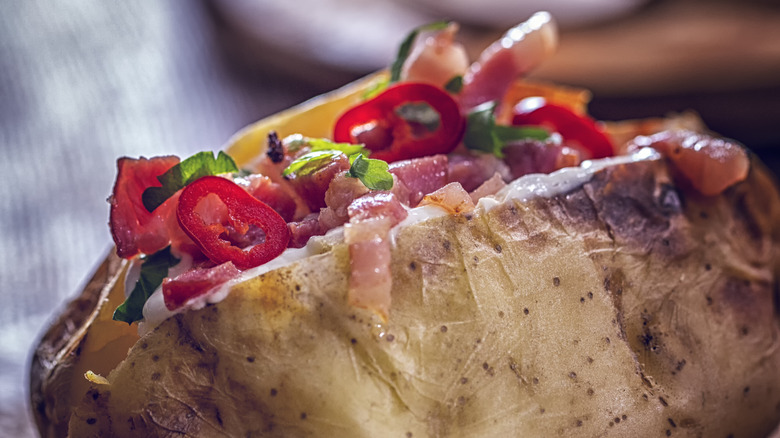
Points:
(87, 81)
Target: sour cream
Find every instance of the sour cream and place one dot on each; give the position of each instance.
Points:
(522, 189)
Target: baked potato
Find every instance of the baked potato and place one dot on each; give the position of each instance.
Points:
(625, 303)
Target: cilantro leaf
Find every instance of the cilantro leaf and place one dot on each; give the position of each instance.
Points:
(406, 46)
(421, 113)
(153, 270)
(179, 176)
(483, 134)
(374, 174)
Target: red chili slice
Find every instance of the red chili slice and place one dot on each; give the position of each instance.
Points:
(246, 215)
(396, 124)
(574, 128)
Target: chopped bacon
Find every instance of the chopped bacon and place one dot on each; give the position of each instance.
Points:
(133, 228)
(473, 170)
(312, 187)
(273, 194)
(329, 220)
(451, 197)
(341, 192)
(370, 281)
(371, 217)
(301, 231)
(519, 51)
(533, 156)
(709, 164)
(177, 291)
(420, 176)
(377, 204)
(436, 58)
(489, 187)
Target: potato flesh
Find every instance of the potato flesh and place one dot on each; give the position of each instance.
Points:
(613, 310)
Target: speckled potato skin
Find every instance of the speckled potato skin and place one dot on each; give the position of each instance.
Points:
(627, 307)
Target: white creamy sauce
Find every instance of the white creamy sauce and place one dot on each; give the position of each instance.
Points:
(522, 190)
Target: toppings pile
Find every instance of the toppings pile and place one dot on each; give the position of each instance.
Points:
(437, 134)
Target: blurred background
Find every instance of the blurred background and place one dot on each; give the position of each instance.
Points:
(87, 81)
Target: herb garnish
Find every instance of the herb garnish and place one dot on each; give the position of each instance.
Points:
(454, 85)
(372, 173)
(179, 176)
(482, 132)
(153, 270)
(323, 151)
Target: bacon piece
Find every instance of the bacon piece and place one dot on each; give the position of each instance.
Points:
(473, 170)
(133, 228)
(519, 51)
(533, 156)
(436, 58)
(177, 291)
(301, 231)
(267, 167)
(341, 192)
(710, 165)
(489, 187)
(421, 175)
(371, 217)
(451, 197)
(370, 281)
(271, 193)
(377, 204)
(312, 187)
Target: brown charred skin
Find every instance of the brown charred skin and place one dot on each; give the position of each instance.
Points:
(51, 369)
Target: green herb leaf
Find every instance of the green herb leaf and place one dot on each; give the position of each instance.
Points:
(406, 47)
(374, 174)
(349, 149)
(513, 133)
(323, 151)
(483, 134)
(421, 113)
(153, 270)
(311, 162)
(454, 85)
(179, 176)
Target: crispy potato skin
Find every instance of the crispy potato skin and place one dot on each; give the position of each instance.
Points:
(82, 338)
(626, 307)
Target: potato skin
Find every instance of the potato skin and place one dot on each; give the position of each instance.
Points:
(625, 307)
(72, 345)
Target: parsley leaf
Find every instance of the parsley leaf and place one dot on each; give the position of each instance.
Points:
(153, 270)
(406, 47)
(179, 176)
(483, 134)
(374, 174)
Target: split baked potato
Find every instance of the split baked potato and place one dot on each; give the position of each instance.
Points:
(628, 304)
